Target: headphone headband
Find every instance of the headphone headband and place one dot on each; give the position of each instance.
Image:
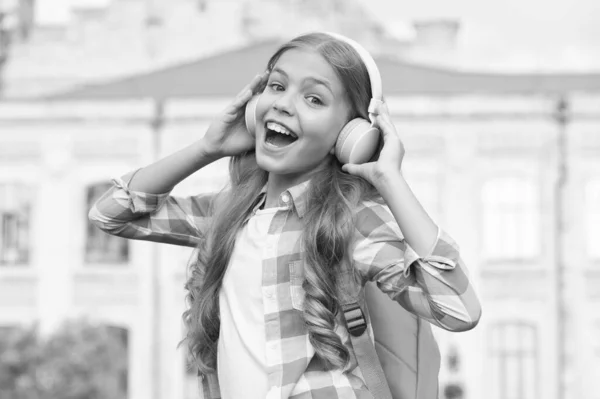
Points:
(373, 71)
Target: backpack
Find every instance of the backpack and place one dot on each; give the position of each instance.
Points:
(404, 363)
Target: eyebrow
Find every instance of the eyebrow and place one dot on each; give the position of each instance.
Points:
(314, 80)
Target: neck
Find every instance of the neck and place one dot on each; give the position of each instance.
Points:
(277, 183)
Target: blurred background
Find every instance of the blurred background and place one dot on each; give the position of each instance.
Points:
(498, 104)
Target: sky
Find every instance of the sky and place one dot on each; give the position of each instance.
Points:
(506, 34)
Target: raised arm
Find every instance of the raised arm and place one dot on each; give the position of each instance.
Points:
(433, 285)
(423, 272)
(139, 206)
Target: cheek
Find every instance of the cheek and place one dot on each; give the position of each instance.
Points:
(325, 132)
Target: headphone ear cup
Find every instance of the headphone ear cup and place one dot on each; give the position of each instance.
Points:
(357, 142)
(250, 115)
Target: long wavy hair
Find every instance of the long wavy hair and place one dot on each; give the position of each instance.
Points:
(327, 226)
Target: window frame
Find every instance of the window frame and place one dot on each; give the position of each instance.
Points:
(588, 221)
(500, 355)
(23, 196)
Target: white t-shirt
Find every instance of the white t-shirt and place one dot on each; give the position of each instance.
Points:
(241, 364)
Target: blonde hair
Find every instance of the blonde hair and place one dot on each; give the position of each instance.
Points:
(332, 195)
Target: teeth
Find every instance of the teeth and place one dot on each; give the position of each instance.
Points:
(279, 129)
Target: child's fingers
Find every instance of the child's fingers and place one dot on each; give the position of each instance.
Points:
(256, 82)
(247, 92)
(385, 126)
(383, 109)
(242, 99)
(384, 113)
(247, 88)
(384, 122)
(353, 169)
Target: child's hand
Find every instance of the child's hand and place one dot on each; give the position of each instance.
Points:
(389, 162)
(227, 135)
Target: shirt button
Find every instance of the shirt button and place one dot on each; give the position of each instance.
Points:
(285, 198)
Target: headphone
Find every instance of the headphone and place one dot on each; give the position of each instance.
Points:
(358, 140)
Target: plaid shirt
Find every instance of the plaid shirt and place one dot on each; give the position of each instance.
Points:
(435, 287)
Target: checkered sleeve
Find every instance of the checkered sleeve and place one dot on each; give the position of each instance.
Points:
(435, 287)
(151, 217)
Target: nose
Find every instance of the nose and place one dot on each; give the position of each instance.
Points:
(284, 103)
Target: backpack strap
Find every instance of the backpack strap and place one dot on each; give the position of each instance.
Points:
(350, 292)
(365, 353)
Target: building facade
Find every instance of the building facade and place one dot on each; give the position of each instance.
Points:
(509, 165)
(485, 170)
(98, 41)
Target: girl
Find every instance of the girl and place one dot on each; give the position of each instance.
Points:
(264, 319)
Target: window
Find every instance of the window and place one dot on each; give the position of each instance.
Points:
(510, 219)
(592, 219)
(15, 205)
(101, 247)
(513, 361)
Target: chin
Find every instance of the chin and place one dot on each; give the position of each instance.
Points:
(267, 163)
(294, 174)
(260, 161)
(271, 166)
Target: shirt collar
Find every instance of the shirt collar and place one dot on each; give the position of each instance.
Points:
(299, 194)
(295, 196)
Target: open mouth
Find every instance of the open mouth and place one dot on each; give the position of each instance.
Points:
(278, 135)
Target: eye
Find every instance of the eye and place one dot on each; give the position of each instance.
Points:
(314, 100)
(276, 86)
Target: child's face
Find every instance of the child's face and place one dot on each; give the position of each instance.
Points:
(299, 115)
